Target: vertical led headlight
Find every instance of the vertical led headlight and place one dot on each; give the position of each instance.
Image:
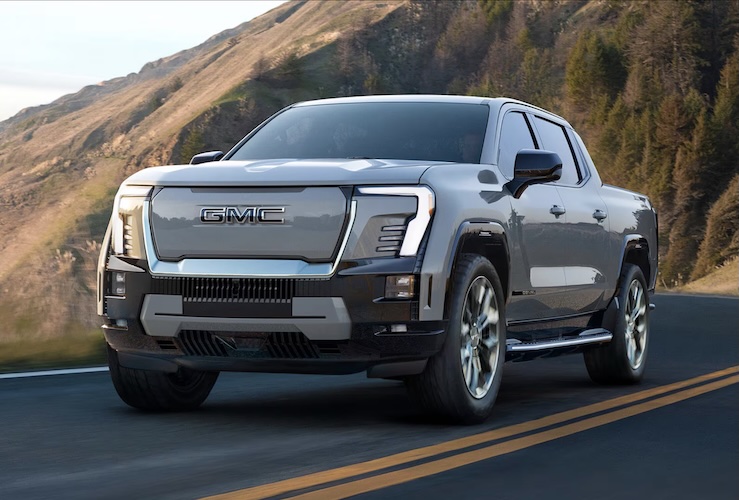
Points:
(127, 237)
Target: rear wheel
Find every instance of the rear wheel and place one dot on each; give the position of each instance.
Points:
(461, 382)
(623, 359)
(159, 391)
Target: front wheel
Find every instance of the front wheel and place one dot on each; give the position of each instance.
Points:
(623, 359)
(159, 391)
(462, 380)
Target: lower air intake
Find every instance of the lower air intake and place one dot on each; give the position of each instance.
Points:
(201, 343)
(276, 345)
(290, 345)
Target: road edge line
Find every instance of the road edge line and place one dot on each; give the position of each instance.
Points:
(47, 373)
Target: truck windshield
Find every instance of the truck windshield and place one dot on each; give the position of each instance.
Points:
(450, 132)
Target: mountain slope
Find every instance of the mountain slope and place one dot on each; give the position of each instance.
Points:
(60, 164)
(653, 87)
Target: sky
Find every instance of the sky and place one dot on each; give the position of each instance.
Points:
(49, 49)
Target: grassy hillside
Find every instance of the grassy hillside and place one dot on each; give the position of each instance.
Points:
(60, 164)
(652, 86)
(721, 281)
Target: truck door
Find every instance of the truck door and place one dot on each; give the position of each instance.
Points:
(535, 232)
(585, 230)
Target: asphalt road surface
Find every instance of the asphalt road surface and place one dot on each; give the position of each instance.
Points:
(554, 434)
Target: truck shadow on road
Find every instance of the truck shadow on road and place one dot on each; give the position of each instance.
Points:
(277, 400)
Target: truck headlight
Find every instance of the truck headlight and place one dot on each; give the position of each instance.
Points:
(127, 236)
(413, 234)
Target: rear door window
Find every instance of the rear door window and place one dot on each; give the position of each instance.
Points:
(554, 138)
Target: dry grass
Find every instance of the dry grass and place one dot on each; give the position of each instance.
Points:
(72, 350)
(722, 281)
(58, 169)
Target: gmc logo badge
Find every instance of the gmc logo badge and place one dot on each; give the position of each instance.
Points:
(249, 215)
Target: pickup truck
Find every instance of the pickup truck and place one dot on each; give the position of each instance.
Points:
(422, 238)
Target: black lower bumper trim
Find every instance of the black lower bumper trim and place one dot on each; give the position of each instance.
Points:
(388, 368)
(384, 355)
(139, 362)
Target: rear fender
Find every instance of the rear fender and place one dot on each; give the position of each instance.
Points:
(635, 250)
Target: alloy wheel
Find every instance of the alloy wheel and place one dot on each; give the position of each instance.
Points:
(480, 346)
(635, 314)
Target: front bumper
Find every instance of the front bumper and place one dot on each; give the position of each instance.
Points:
(337, 325)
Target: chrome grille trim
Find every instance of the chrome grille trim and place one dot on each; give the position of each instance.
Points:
(246, 268)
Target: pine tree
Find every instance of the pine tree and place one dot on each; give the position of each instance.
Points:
(593, 69)
(724, 129)
(690, 205)
(192, 145)
(721, 241)
(664, 54)
(672, 129)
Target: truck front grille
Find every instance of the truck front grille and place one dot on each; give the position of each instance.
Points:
(270, 290)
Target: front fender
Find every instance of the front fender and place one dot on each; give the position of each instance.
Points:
(483, 237)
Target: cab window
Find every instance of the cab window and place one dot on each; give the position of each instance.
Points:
(515, 135)
(554, 138)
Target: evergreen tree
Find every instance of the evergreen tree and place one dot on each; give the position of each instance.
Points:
(690, 205)
(721, 242)
(192, 145)
(593, 69)
(724, 128)
(672, 129)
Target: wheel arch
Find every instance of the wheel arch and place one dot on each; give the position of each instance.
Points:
(635, 250)
(482, 237)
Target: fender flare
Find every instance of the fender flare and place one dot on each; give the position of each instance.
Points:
(485, 233)
(630, 242)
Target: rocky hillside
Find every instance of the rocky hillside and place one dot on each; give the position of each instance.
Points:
(652, 86)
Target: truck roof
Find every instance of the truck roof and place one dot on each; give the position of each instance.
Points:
(493, 102)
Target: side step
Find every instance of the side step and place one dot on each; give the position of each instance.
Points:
(523, 351)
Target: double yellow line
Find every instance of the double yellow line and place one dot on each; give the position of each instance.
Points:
(639, 402)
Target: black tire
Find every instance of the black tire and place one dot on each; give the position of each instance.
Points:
(445, 388)
(622, 360)
(159, 391)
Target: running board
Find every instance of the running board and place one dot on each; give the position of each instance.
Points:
(523, 351)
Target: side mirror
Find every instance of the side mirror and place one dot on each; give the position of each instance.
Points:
(534, 166)
(206, 157)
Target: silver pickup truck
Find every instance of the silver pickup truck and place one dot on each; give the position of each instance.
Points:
(423, 238)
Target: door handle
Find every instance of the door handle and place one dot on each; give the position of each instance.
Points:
(599, 215)
(556, 210)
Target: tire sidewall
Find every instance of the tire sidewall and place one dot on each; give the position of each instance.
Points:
(159, 391)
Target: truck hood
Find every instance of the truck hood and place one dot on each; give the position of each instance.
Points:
(284, 172)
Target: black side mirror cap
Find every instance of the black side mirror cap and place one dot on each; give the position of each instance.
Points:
(206, 157)
(534, 166)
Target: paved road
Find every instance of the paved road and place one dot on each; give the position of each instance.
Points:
(70, 437)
